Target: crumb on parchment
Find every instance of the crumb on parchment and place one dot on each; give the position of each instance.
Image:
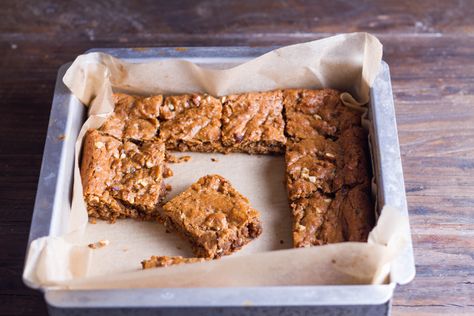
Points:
(100, 244)
(170, 158)
(167, 173)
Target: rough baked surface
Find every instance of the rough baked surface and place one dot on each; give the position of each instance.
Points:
(213, 216)
(327, 168)
(121, 179)
(322, 219)
(310, 166)
(191, 122)
(353, 163)
(311, 113)
(165, 261)
(322, 164)
(253, 123)
(133, 117)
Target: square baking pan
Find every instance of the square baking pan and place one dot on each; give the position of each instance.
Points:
(55, 189)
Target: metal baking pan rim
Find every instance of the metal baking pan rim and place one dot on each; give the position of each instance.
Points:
(223, 297)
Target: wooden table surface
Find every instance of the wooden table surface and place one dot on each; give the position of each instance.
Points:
(429, 47)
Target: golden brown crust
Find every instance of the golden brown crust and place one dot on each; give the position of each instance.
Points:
(311, 113)
(253, 123)
(310, 166)
(213, 216)
(323, 219)
(191, 122)
(309, 216)
(121, 179)
(166, 261)
(133, 117)
(319, 163)
(328, 171)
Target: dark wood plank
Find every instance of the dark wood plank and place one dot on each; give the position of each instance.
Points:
(429, 46)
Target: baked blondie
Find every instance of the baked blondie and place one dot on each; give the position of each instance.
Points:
(133, 118)
(253, 123)
(121, 178)
(322, 219)
(213, 216)
(311, 113)
(310, 166)
(191, 122)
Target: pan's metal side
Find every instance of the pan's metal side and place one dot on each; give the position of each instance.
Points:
(54, 184)
(391, 184)
(234, 54)
(311, 300)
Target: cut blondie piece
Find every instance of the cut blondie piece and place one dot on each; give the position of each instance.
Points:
(320, 219)
(191, 122)
(319, 163)
(310, 113)
(309, 215)
(120, 178)
(351, 215)
(133, 117)
(213, 216)
(253, 123)
(310, 166)
(165, 261)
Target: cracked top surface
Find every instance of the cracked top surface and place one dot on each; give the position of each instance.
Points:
(310, 113)
(310, 166)
(253, 118)
(321, 219)
(133, 117)
(214, 215)
(116, 175)
(191, 118)
(319, 163)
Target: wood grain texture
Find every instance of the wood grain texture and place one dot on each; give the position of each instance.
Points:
(428, 45)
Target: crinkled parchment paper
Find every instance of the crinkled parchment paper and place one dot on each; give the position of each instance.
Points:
(347, 62)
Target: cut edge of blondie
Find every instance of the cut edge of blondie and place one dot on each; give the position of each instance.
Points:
(166, 261)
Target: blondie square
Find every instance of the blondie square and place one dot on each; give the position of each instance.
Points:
(253, 123)
(321, 219)
(317, 112)
(121, 178)
(319, 163)
(133, 118)
(310, 166)
(213, 216)
(191, 122)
